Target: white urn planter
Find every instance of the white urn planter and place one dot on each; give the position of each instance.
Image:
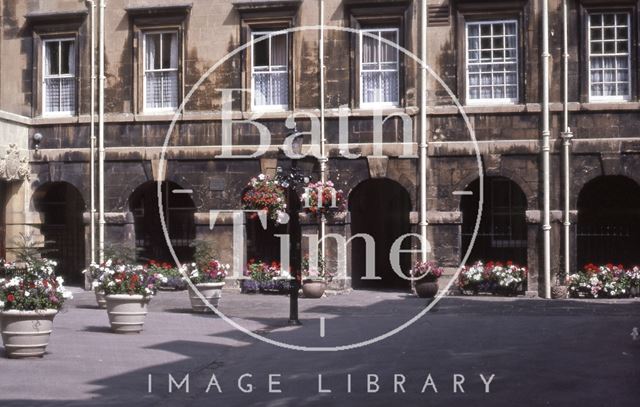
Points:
(25, 334)
(101, 299)
(313, 288)
(211, 291)
(127, 312)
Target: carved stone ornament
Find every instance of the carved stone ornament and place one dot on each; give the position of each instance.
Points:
(12, 166)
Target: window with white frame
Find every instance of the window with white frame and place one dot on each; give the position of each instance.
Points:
(59, 90)
(270, 71)
(492, 61)
(609, 56)
(379, 67)
(160, 71)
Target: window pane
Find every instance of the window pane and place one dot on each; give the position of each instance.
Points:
(53, 58)
(66, 55)
(369, 49)
(388, 52)
(167, 46)
(152, 50)
(52, 92)
(279, 50)
(261, 52)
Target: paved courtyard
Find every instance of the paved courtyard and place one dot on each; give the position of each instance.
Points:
(531, 352)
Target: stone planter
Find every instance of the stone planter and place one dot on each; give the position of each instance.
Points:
(559, 292)
(25, 334)
(126, 312)
(426, 289)
(313, 288)
(211, 291)
(100, 299)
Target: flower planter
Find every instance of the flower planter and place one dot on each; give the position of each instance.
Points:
(100, 299)
(25, 334)
(426, 289)
(126, 312)
(559, 292)
(249, 286)
(211, 291)
(313, 288)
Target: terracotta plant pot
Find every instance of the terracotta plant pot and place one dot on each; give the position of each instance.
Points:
(25, 334)
(313, 288)
(126, 312)
(559, 292)
(426, 289)
(211, 291)
(100, 299)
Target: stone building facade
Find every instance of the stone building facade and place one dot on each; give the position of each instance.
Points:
(159, 54)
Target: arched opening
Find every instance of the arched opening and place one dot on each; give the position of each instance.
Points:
(502, 235)
(379, 208)
(263, 244)
(178, 210)
(609, 221)
(62, 206)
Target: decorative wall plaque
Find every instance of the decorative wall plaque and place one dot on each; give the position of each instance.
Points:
(13, 167)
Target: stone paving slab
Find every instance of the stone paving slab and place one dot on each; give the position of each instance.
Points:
(551, 353)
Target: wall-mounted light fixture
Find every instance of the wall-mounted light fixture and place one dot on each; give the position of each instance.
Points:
(37, 138)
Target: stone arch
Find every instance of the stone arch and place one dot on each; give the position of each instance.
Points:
(502, 235)
(62, 206)
(608, 227)
(525, 187)
(179, 210)
(379, 207)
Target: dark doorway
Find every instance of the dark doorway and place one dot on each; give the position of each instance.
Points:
(609, 221)
(3, 220)
(178, 210)
(62, 206)
(502, 235)
(380, 208)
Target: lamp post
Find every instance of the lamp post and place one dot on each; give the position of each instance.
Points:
(290, 179)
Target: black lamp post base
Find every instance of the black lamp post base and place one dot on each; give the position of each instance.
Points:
(294, 322)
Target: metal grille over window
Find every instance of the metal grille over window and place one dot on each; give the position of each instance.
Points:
(609, 56)
(59, 77)
(161, 71)
(379, 67)
(492, 61)
(270, 71)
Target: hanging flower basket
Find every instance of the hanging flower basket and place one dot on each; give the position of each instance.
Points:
(266, 194)
(322, 198)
